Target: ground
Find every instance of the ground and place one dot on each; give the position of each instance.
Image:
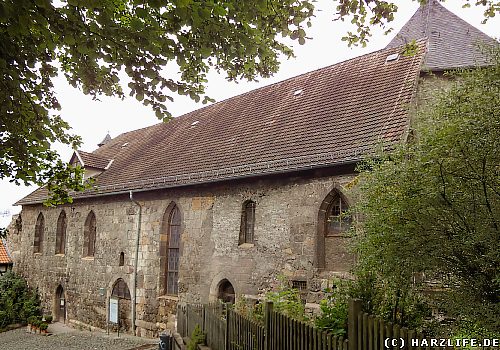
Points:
(67, 338)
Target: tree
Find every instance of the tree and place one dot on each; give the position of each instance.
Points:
(92, 41)
(433, 206)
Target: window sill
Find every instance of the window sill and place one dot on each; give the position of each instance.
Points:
(62, 255)
(37, 254)
(341, 235)
(88, 258)
(246, 245)
(168, 297)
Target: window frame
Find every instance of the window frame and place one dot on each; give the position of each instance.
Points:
(61, 230)
(90, 235)
(247, 226)
(39, 234)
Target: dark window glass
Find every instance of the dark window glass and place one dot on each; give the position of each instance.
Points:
(174, 232)
(61, 233)
(247, 223)
(39, 233)
(89, 235)
(338, 218)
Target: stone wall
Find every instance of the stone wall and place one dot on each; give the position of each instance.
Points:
(285, 237)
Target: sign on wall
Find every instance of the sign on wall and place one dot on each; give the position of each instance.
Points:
(113, 310)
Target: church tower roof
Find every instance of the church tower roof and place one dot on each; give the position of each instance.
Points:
(452, 42)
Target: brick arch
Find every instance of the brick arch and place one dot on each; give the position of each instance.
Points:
(170, 243)
(320, 258)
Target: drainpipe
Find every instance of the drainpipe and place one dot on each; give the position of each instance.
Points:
(136, 261)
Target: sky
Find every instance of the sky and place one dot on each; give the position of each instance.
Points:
(93, 119)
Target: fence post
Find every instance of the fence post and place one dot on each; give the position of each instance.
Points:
(226, 346)
(352, 323)
(268, 311)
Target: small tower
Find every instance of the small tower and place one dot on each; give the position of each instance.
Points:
(451, 41)
(106, 139)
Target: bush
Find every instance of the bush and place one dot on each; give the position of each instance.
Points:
(197, 337)
(334, 308)
(43, 326)
(287, 301)
(17, 301)
(48, 318)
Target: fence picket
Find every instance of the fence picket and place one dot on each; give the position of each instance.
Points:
(226, 329)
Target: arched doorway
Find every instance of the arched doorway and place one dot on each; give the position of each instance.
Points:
(226, 292)
(120, 291)
(60, 305)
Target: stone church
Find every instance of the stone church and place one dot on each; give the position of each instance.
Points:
(219, 202)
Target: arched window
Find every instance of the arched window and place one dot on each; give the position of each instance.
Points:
(120, 290)
(170, 249)
(61, 233)
(39, 233)
(338, 220)
(247, 222)
(122, 259)
(333, 222)
(89, 234)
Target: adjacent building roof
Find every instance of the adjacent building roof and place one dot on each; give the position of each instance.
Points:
(4, 255)
(91, 160)
(334, 115)
(452, 42)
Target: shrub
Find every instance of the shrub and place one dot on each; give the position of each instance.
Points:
(48, 318)
(334, 308)
(197, 337)
(17, 301)
(287, 301)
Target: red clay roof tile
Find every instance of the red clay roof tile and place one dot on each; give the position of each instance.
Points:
(4, 255)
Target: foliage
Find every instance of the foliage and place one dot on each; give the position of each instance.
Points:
(433, 206)
(334, 308)
(48, 318)
(91, 42)
(365, 14)
(197, 337)
(43, 326)
(287, 301)
(17, 301)
(469, 330)
(250, 309)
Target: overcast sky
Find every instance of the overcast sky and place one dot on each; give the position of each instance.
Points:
(93, 119)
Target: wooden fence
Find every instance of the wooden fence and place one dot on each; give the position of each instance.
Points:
(227, 330)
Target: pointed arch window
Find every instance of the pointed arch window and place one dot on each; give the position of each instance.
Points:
(334, 220)
(61, 233)
(39, 233)
(247, 223)
(338, 220)
(89, 234)
(170, 249)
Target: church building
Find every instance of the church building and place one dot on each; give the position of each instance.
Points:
(219, 202)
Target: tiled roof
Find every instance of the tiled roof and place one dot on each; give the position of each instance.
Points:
(93, 160)
(4, 256)
(452, 42)
(330, 116)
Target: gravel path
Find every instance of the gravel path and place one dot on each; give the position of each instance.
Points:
(19, 339)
